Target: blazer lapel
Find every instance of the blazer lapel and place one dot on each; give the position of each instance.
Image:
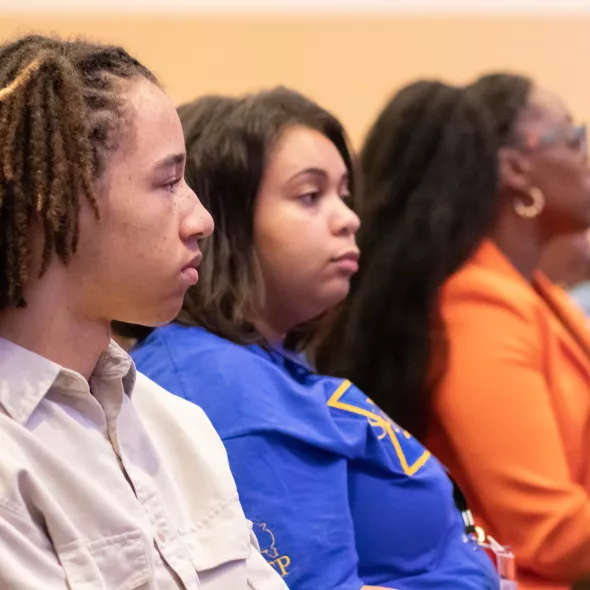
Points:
(571, 325)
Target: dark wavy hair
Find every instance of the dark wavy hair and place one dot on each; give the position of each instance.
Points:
(228, 142)
(431, 184)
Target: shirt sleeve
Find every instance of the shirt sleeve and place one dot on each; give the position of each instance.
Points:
(497, 412)
(26, 560)
(260, 573)
(297, 498)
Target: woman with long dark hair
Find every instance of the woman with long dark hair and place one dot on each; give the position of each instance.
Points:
(449, 327)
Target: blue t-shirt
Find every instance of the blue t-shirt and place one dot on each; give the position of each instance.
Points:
(340, 496)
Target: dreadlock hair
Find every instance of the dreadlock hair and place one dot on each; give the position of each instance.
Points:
(431, 183)
(61, 108)
(228, 142)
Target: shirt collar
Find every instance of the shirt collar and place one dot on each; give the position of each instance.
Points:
(488, 254)
(114, 362)
(284, 358)
(26, 377)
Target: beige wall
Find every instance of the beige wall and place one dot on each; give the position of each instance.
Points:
(349, 65)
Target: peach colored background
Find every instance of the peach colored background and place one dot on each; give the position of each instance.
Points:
(349, 64)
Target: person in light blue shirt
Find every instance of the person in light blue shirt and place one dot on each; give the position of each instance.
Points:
(340, 497)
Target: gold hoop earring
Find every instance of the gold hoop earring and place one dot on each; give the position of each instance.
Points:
(535, 208)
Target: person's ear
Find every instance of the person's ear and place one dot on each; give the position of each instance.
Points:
(514, 170)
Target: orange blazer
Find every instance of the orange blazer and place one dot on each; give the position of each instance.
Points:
(512, 415)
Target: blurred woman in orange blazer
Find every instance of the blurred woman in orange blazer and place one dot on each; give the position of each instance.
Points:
(451, 329)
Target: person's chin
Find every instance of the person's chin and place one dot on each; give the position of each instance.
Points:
(163, 314)
(169, 316)
(338, 293)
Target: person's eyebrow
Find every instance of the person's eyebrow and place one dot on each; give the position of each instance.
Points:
(311, 171)
(319, 172)
(170, 161)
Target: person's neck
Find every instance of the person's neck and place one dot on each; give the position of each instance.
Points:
(521, 241)
(272, 333)
(274, 323)
(51, 327)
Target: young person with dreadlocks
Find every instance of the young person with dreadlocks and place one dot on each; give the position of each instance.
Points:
(449, 326)
(106, 480)
(341, 499)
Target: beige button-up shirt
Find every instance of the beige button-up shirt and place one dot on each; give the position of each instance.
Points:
(114, 484)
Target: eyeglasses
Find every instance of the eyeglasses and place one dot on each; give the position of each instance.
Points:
(574, 138)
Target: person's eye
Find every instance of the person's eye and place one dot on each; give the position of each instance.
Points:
(310, 198)
(172, 185)
(575, 142)
(347, 198)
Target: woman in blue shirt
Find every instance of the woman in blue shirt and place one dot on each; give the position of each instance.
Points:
(341, 498)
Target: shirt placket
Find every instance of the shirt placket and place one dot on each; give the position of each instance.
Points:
(166, 538)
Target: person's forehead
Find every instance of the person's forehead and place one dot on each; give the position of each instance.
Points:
(155, 123)
(302, 147)
(152, 105)
(545, 107)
